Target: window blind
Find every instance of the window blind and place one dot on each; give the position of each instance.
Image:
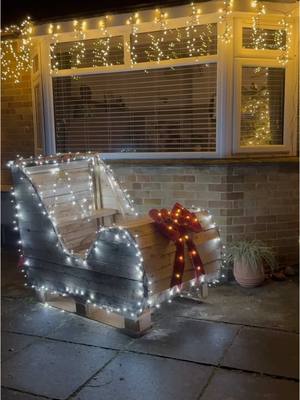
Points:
(158, 110)
(271, 39)
(262, 106)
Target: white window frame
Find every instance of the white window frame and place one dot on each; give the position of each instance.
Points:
(266, 58)
(288, 106)
(229, 59)
(125, 31)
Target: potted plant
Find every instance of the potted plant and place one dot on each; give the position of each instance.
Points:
(248, 258)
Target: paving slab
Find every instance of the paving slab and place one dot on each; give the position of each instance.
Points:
(86, 331)
(187, 339)
(12, 343)
(228, 385)
(273, 305)
(53, 369)
(8, 394)
(28, 316)
(135, 377)
(266, 351)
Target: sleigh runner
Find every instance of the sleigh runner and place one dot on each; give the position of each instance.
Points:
(82, 240)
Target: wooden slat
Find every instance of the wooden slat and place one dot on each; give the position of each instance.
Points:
(104, 212)
(132, 327)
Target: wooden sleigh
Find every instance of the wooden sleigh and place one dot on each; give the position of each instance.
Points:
(83, 242)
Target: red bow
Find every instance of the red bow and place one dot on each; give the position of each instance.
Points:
(175, 225)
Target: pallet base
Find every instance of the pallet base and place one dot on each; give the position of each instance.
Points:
(131, 327)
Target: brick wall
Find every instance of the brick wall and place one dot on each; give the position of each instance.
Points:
(248, 201)
(16, 123)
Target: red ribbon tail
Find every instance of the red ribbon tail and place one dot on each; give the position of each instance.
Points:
(195, 258)
(178, 267)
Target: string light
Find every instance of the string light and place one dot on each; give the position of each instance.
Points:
(283, 39)
(157, 41)
(78, 49)
(133, 21)
(197, 40)
(224, 18)
(53, 31)
(258, 35)
(120, 235)
(102, 46)
(16, 54)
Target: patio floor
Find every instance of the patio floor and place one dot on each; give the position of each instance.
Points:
(239, 344)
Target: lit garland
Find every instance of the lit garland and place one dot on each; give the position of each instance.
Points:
(283, 39)
(224, 18)
(53, 31)
(102, 46)
(78, 50)
(161, 18)
(164, 43)
(197, 41)
(16, 54)
(133, 21)
(258, 35)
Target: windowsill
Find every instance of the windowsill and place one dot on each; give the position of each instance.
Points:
(210, 161)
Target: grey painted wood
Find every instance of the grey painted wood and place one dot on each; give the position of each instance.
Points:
(49, 265)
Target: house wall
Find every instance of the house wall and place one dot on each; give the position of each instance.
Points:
(17, 136)
(248, 201)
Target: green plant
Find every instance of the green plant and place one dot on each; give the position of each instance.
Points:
(253, 253)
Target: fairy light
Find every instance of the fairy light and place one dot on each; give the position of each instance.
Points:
(283, 39)
(156, 46)
(102, 46)
(133, 21)
(78, 50)
(16, 54)
(224, 19)
(258, 35)
(53, 31)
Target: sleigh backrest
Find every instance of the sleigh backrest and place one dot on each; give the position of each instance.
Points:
(79, 195)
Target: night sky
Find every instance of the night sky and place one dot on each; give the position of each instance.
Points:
(15, 11)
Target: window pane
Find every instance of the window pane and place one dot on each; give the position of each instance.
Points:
(270, 39)
(262, 106)
(89, 53)
(159, 110)
(199, 40)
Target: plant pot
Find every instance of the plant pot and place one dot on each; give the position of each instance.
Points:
(248, 275)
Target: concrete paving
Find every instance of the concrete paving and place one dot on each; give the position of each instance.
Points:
(240, 344)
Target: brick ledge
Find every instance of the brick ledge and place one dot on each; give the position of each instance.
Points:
(209, 161)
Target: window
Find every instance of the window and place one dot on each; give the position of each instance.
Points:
(176, 84)
(262, 105)
(89, 53)
(269, 39)
(200, 40)
(264, 88)
(157, 110)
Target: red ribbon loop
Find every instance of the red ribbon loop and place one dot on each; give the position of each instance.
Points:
(176, 226)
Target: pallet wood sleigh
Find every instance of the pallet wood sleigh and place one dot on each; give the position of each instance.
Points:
(85, 249)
